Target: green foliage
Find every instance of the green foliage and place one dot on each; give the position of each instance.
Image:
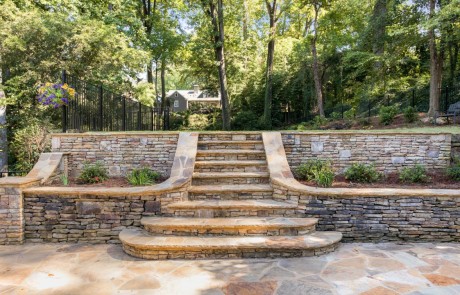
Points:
(246, 120)
(64, 180)
(318, 122)
(387, 114)
(93, 173)
(454, 170)
(145, 93)
(362, 173)
(27, 145)
(143, 176)
(410, 114)
(319, 171)
(335, 116)
(416, 174)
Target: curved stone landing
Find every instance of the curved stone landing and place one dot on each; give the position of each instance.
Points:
(139, 243)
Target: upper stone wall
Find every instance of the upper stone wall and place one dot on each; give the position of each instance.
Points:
(389, 152)
(119, 152)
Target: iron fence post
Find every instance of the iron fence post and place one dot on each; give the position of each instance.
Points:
(152, 118)
(64, 107)
(101, 108)
(123, 119)
(139, 116)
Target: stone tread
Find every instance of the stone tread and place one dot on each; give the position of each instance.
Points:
(228, 223)
(142, 240)
(230, 142)
(230, 175)
(228, 188)
(232, 204)
(232, 163)
(229, 152)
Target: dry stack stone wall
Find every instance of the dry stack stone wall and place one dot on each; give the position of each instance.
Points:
(389, 152)
(119, 152)
(11, 216)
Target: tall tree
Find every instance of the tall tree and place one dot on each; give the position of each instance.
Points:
(3, 135)
(316, 70)
(274, 10)
(147, 11)
(217, 19)
(436, 63)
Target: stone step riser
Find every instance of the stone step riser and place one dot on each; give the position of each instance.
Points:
(226, 180)
(161, 231)
(230, 157)
(230, 146)
(229, 168)
(231, 196)
(227, 253)
(221, 213)
(234, 137)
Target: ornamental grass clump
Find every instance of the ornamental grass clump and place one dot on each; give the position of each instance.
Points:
(55, 95)
(319, 171)
(93, 173)
(416, 174)
(362, 173)
(143, 176)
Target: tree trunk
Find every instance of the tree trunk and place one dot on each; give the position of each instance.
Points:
(3, 134)
(271, 9)
(245, 19)
(217, 18)
(316, 74)
(379, 27)
(436, 61)
(163, 86)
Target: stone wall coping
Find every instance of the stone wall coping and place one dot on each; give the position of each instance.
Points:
(181, 175)
(19, 181)
(120, 134)
(280, 174)
(362, 133)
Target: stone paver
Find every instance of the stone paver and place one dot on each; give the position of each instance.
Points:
(388, 268)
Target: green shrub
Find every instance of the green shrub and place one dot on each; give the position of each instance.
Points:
(64, 180)
(318, 121)
(245, 120)
(143, 176)
(93, 173)
(454, 170)
(350, 114)
(410, 114)
(335, 116)
(319, 171)
(362, 173)
(387, 114)
(324, 177)
(413, 174)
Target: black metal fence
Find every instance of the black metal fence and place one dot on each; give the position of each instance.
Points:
(96, 108)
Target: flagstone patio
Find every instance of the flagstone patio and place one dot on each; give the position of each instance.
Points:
(385, 268)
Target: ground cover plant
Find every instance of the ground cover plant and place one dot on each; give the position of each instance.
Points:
(143, 176)
(416, 174)
(317, 170)
(93, 173)
(362, 173)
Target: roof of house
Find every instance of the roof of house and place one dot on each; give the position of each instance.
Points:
(192, 95)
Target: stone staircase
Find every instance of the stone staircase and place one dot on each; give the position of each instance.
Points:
(230, 212)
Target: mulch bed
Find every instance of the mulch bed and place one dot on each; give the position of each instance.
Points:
(111, 182)
(437, 180)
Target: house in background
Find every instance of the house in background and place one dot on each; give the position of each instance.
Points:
(182, 100)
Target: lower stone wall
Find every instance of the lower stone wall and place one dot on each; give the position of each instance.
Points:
(11, 216)
(92, 219)
(382, 218)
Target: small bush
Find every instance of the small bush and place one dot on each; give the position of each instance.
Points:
(414, 174)
(319, 171)
(318, 121)
(362, 173)
(350, 114)
(64, 180)
(410, 114)
(93, 173)
(335, 116)
(143, 176)
(387, 114)
(324, 177)
(454, 170)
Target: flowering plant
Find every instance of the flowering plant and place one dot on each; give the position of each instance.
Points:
(56, 95)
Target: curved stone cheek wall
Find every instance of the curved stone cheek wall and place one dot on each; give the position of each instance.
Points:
(388, 152)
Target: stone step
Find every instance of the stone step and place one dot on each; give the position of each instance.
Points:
(231, 145)
(230, 188)
(230, 192)
(272, 226)
(229, 136)
(231, 166)
(230, 178)
(234, 208)
(230, 155)
(141, 244)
